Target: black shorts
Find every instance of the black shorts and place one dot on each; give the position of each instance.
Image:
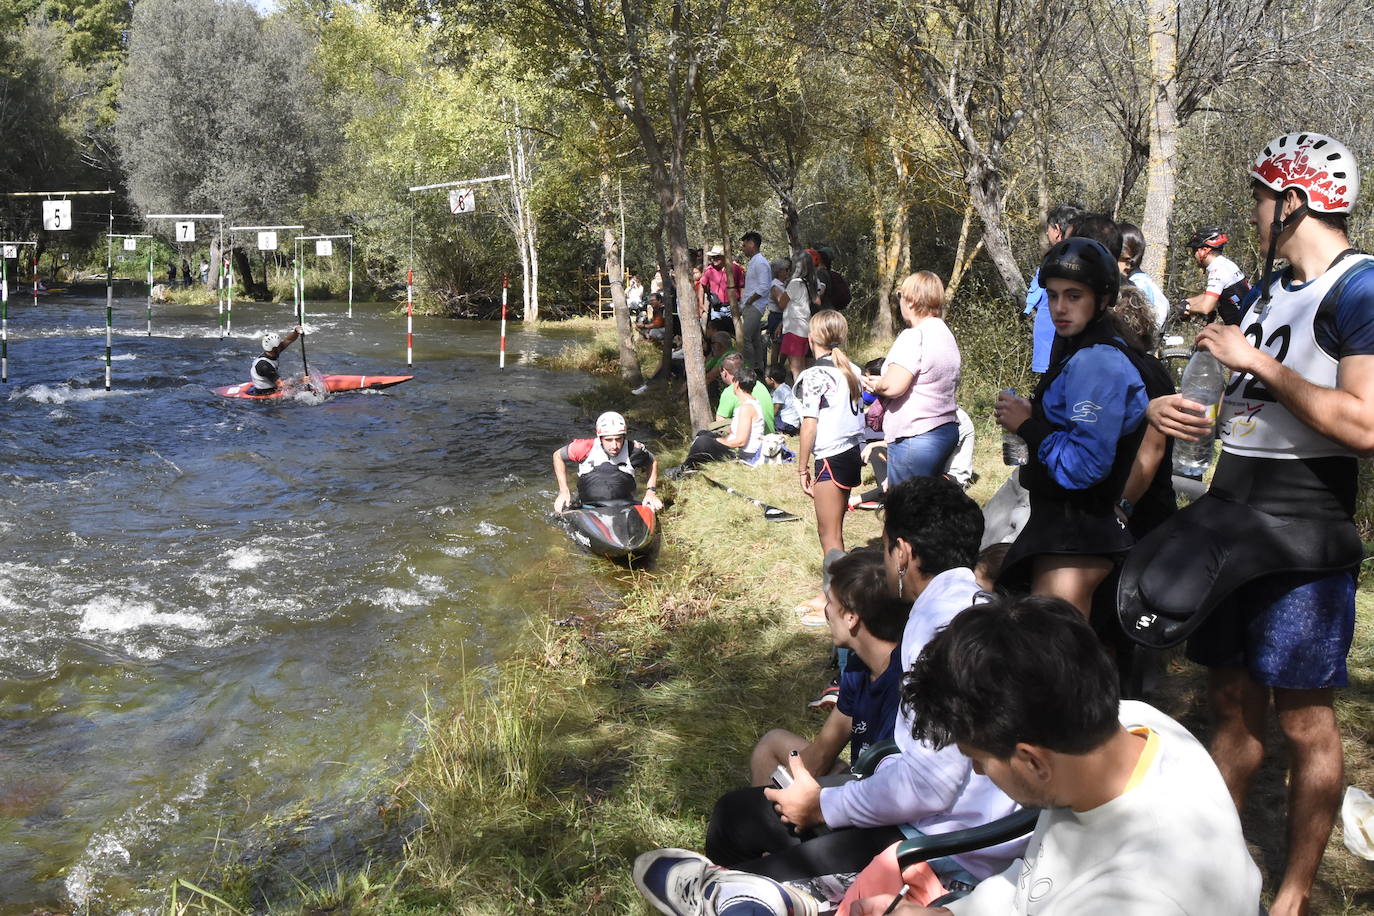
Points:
(845, 470)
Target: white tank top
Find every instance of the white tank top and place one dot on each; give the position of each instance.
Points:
(755, 441)
(1253, 422)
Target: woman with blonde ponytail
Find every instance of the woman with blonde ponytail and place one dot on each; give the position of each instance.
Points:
(830, 399)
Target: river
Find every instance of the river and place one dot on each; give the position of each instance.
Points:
(217, 615)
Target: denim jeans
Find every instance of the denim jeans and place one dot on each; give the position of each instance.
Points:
(923, 455)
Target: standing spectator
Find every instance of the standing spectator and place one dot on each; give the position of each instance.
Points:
(185, 273)
(1083, 426)
(1058, 226)
(204, 272)
(917, 384)
(796, 314)
(1264, 564)
(837, 295)
(634, 294)
(1132, 253)
(830, 398)
(758, 280)
(716, 284)
(1226, 283)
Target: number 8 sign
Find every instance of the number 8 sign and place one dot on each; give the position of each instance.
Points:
(186, 232)
(57, 215)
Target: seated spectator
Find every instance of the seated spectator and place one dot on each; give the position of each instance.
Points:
(865, 617)
(720, 346)
(1136, 816)
(786, 416)
(653, 326)
(725, 409)
(745, 438)
(931, 531)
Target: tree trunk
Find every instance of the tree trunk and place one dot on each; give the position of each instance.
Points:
(723, 201)
(212, 278)
(985, 193)
(1162, 183)
(963, 258)
(791, 223)
(243, 272)
(665, 366)
(625, 334)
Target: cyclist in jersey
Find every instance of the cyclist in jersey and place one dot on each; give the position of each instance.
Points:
(1226, 283)
(265, 372)
(830, 399)
(606, 467)
(1084, 425)
(1261, 569)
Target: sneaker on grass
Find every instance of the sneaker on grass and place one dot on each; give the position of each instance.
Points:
(828, 697)
(683, 883)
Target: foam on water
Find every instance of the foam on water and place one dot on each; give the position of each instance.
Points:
(66, 394)
(109, 614)
(246, 558)
(487, 529)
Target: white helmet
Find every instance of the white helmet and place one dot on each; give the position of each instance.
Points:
(270, 341)
(610, 423)
(1319, 166)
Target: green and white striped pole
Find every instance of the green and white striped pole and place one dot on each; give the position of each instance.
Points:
(150, 287)
(4, 319)
(350, 276)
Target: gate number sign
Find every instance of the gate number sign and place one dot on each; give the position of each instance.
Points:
(324, 248)
(10, 251)
(186, 231)
(57, 215)
(462, 200)
(131, 244)
(267, 241)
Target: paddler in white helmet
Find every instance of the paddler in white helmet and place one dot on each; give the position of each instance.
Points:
(606, 466)
(264, 372)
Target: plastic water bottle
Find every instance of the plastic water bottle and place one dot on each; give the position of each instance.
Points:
(1014, 450)
(1203, 381)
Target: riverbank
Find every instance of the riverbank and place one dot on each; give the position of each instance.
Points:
(619, 722)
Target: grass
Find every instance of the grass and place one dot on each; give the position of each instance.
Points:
(615, 728)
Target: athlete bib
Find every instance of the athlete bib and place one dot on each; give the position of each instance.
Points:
(1252, 421)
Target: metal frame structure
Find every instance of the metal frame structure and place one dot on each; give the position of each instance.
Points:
(197, 217)
(117, 235)
(229, 317)
(5, 305)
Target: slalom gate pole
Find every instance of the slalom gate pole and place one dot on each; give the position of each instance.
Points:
(5, 319)
(505, 288)
(109, 300)
(34, 287)
(230, 315)
(150, 287)
(410, 313)
(350, 278)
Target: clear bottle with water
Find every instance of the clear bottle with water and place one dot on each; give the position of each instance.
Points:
(1204, 378)
(1014, 450)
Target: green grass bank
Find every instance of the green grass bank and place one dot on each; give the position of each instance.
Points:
(623, 716)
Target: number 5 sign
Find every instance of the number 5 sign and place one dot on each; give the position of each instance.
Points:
(186, 231)
(57, 215)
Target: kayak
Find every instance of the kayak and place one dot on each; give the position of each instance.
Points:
(615, 532)
(332, 383)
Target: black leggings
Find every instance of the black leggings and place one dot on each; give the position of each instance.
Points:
(706, 447)
(744, 826)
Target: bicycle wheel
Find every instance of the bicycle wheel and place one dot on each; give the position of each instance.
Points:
(1175, 359)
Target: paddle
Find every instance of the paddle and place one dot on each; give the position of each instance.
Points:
(770, 513)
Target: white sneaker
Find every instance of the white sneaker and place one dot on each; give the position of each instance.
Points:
(679, 882)
(641, 389)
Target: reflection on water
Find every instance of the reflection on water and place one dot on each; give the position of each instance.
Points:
(215, 612)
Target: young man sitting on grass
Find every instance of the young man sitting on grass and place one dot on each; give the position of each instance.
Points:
(1136, 817)
(931, 532)
(866, 617)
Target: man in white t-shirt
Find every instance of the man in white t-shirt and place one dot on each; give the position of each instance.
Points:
(1136, 818)
(1226, 283)
(758, 280)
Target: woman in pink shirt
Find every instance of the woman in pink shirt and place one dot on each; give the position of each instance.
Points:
(917, 384)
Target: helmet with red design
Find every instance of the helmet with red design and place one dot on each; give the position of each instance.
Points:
(610, 423)
(1322, 168)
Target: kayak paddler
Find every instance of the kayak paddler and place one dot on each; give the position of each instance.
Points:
(264, 372)
(606, 467)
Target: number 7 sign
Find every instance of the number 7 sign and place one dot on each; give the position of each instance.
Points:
(186, 232)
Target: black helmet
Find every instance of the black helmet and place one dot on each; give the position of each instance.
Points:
(1084, 261)
(1213, 237)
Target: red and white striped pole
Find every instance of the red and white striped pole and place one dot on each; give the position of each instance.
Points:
(35, 276)
(505, 287)
(410, 313)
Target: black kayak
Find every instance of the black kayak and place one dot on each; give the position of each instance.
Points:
(628, 532)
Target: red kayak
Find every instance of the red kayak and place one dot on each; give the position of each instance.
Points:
(332, 382)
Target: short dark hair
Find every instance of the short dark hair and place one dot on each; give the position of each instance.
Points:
(1063, 217)
(752, 236)
(745, 376)
(938, 519)
(731, 363)
(1132, 245)
(858, 582)
(777, 374)
(1010, 671)
(875, 365)
(1100, 228)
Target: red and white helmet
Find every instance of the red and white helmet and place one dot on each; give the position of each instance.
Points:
(610, 423)
(1319, 166)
